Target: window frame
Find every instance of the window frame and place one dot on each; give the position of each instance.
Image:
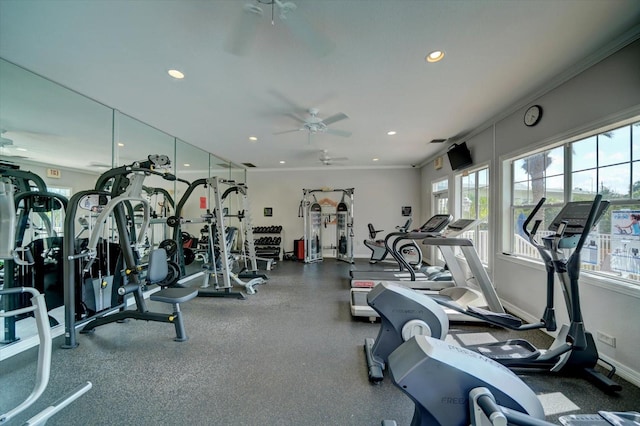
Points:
(475, 231)
(432, 254)
(569, 192)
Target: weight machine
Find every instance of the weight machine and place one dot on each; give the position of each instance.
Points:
(219, 258)
(314, 220)
(36, 307)
(35, 241)
(125, 191)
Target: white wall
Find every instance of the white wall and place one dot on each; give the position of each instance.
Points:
(605, 93)
(378, 197)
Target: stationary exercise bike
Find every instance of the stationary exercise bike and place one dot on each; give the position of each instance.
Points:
(454, 386)
(451, 385)
(410, 251)
(404, 313)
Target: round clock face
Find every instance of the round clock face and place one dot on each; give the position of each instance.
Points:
(533, 115)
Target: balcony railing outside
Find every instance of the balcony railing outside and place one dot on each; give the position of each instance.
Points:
(599, 246)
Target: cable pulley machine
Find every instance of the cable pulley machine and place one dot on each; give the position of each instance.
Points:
(314, 220)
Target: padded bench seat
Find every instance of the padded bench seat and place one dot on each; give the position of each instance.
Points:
(174, 295)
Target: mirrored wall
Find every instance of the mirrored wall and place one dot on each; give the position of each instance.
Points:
(47, 126)
(69, 141)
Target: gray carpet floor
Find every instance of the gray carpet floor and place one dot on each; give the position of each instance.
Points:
(289, 355)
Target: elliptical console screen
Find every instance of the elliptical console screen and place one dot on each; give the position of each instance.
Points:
(575, 213)
(436, 224)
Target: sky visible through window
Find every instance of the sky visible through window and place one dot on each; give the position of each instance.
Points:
(600, 163)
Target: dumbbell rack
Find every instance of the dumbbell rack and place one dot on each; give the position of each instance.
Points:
(269, 241)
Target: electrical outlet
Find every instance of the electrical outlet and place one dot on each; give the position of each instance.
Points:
(606, 339)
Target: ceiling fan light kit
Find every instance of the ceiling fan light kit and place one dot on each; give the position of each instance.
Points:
(314, 124)
(327, 160)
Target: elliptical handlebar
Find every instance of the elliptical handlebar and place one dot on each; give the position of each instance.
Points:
(559, 234)
(531, 234)
(591, 219)
(535, 229)
(406, 226)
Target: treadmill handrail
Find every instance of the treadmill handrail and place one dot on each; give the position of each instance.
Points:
(393, 250)
(447, 241)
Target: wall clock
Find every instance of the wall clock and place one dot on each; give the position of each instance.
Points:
(533, 115)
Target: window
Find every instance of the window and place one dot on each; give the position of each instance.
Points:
(440, 192)
(606, 162)
(474, 204)
(440, 205)
(57, 217)
(535, 176)
(65, 192)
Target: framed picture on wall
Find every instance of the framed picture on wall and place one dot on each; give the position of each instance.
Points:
(268, 211)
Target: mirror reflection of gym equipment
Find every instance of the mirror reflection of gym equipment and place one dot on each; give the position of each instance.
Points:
(319, 217)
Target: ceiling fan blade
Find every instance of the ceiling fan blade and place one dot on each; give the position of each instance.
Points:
(287, 131)
(303, 30)
(335, 117)
(244, 31)
(297, 118)
(291, 105)
(336, 132)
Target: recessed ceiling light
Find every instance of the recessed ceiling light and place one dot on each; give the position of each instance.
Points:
(391, 132)
(282, 162)
(435, 56)
(253, 138)
(120, 144)
(176, 74)
(375, 159)
(187, 165)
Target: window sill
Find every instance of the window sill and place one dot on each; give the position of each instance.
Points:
(586, 278)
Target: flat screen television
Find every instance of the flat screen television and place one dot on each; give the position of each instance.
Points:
(459, 156)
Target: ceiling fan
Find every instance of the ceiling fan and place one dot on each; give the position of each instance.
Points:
(314, 124)
(4, 141)
(327, 160)
(244, 31)
(8, 148)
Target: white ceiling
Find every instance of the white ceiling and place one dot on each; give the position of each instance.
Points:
(499, 55)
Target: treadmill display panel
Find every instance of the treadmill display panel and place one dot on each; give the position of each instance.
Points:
(436, 224)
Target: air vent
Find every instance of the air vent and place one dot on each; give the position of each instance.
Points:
(248, 165)
(438, 141)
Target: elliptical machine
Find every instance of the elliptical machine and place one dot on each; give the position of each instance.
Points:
(573, 351)
(410, 251)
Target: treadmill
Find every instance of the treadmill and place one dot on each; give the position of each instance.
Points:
(458, 290)
(404, 271)
(479, 294)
